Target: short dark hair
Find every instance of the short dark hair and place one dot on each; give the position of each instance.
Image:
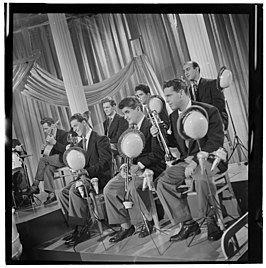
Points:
(194, 64)
(177, 85)
(143, 88)
(131, 102)
(79, 117)
(110, 100)
(47, 120)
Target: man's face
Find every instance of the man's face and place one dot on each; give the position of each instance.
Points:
(143, 98)
(46, 128)
(131, 115)
(108, 108)
(79, 127)
(172, 97)
(190, 72)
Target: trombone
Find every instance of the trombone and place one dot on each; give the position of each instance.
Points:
(153, 108)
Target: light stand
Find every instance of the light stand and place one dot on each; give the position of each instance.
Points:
(237, 141)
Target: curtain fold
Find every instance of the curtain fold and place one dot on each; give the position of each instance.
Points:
(229, 34)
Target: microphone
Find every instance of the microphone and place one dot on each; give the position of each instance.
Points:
(202, 157)
(219, 155)
(80, 187)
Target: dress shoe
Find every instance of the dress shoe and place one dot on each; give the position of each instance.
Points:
(214, 232)
(144, 231)
(34, 189)
(122, 234)
(70, 236)
(186, 231)
(50, 199)
(79, 237)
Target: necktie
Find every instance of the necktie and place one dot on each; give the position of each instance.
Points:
(84, 141)
(108, 124)
(194, 90)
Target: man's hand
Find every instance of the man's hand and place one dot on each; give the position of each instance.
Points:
(83, 173)
(154, 131)
(68, 146)
(18, 148)
(51, 140)
(190, 168)
(135, 170)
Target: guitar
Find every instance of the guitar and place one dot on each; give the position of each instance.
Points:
(48, 147)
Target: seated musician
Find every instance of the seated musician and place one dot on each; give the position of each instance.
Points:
(56, 141)
(152, 157)
(176, 206)
(143, 93)
(98, 164)
(114, 126)
(19, 181)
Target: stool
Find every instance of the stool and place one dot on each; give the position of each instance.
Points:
(101, 207)
(153, 211)
(223, 183)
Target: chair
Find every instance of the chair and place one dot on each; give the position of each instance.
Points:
(222, 182)
(233, 241)
(63, 173)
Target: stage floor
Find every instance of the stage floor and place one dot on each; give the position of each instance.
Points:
(155, 248)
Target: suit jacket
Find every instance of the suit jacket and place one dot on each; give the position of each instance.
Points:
(152, 156)
(99, 158)
(118, 125)
(212, 141)
(209, 93)
(61, 142)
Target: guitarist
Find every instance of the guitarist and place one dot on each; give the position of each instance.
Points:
(52, 158)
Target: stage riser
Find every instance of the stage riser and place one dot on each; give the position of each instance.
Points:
(39, 230)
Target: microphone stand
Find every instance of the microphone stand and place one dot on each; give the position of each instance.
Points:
(237, 142)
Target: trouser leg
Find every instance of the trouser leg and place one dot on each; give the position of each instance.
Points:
(205, 188)
(175, 206)
(141, 201)
(114, 194)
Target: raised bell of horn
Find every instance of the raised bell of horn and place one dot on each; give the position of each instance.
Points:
(154, 107)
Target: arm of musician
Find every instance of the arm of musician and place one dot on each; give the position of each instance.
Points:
(154, 157)
(105, 157)
(61, 142)
(215, 134)
(190, 168)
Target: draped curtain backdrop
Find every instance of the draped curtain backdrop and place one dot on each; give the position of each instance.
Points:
(107, 47)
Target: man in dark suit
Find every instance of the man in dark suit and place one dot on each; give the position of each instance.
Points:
(205, 90)
(174, 204)
(56, 141)
(98, 164)
(114, 126)
(151, 157)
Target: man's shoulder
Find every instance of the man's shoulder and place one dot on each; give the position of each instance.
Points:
(96, 136)
(206, 106)
(207, 81)
(62, 131)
